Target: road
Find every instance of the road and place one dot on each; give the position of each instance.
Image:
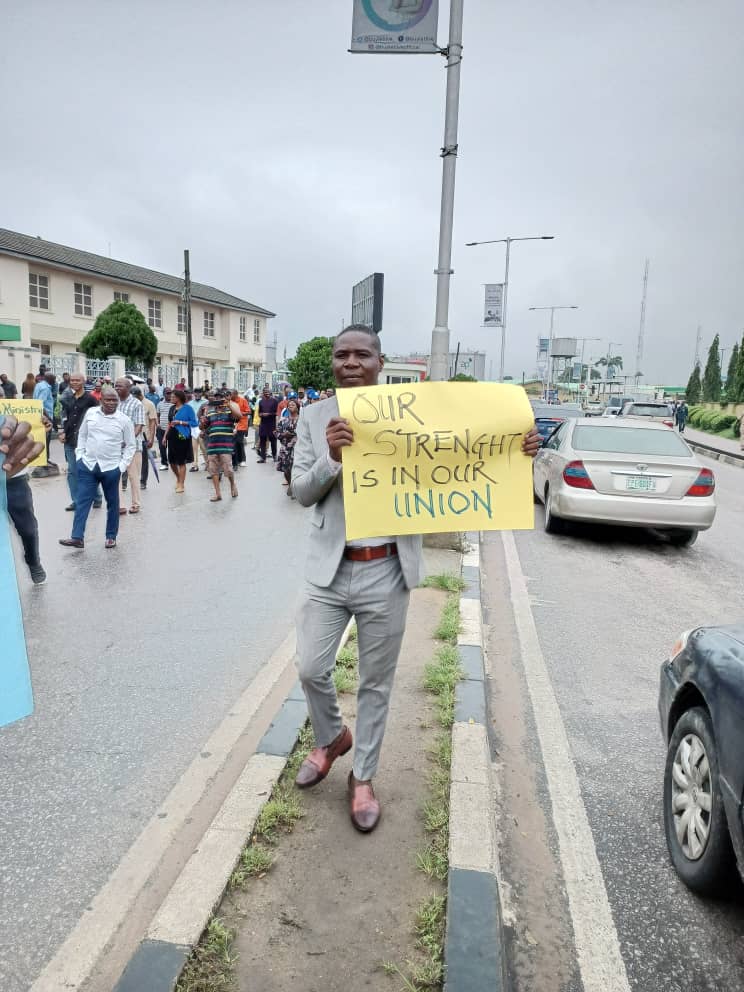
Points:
(137, 655)
(578, 754)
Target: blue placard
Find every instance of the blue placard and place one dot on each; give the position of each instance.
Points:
(16, 697)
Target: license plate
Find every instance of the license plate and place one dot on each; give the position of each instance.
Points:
(640, 483)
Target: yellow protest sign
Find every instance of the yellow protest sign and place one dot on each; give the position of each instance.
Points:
(29, 410)
(436, 456)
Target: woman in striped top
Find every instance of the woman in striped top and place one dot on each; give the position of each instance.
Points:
(218, 419)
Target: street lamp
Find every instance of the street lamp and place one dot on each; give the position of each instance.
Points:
(550, 346)
(507, 242)
(588, 374)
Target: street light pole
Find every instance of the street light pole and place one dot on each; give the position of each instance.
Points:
(507, 242)
(588, 376)
(550, 346)
(440, 334)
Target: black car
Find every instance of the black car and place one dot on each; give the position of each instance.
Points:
(701, 707)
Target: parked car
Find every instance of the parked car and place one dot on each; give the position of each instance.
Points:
(635, 473)
(593, 409)
(611, 411)
(701, 708)
(660, 412)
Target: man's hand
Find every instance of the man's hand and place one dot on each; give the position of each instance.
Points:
(17, 445)
(531, 442)
(338, 435)
(61, 437)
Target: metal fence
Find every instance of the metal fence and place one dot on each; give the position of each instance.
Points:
(170, 374)
(59, 364)
(97, 368)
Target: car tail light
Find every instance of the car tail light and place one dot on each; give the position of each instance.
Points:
(576, 476)
(703, 485)
(669, 423)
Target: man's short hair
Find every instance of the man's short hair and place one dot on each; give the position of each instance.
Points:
(136, 391)
(109, 391)
(361, 329)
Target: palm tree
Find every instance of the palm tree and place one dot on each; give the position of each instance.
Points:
(612, 362)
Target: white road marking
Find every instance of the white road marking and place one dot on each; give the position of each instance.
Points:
(597, 944)
(77, 956)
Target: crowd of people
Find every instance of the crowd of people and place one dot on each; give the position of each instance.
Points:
(116, 435)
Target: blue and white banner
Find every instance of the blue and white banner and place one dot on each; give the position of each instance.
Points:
(395, 26)
(16, 699)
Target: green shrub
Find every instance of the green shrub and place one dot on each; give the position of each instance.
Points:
(724, 421)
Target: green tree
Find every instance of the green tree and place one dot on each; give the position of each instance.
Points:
(730, 387)
(121, 329)
(611, 362)
(694, 386)
(312, 366)
(462, 377)
(712, 374)
(738, 396)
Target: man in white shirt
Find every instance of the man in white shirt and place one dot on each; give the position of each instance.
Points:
(131, 407)
(105, 449)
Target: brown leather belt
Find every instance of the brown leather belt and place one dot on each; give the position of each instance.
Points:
(370, 554)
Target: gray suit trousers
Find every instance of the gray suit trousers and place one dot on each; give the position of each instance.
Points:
(375, 593)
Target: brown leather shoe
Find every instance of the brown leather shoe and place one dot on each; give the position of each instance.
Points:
(363, 805)
(318, 763)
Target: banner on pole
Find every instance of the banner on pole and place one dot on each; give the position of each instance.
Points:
(493, 307)
(436, 457)
(576, 372)
(395, 26)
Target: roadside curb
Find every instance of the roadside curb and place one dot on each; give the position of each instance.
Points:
(182, 917)
(727, 457)
(474, 944)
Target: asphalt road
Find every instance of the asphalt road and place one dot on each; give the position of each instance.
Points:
(607, 606)
(137, 655)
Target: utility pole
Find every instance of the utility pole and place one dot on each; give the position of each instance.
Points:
(440, 334)
(550, 345)
(187, 318)
(697, 344)
(642, 326)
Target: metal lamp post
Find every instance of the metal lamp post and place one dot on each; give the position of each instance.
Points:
(507, 242)
(588, 374)
(550, 346)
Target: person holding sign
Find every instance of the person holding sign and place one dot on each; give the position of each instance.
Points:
(369, 579)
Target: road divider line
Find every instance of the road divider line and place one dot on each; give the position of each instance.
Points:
(77, 957)
(597, 943)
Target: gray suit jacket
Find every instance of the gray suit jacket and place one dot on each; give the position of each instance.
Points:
(314, 485)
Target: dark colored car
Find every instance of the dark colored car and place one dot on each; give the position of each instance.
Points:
(548, 417)
(701, 707)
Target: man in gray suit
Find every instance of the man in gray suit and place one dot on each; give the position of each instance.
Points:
(368, 579)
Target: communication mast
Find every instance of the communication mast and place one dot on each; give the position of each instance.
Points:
(641, 326)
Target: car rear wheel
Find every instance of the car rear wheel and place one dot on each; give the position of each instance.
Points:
(553, 524)
(694, 817)
(683, 538)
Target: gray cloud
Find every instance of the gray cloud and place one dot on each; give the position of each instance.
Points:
(291, 169)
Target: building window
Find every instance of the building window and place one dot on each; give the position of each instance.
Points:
(121, 297)
(208, 324)
(83, 299)
(38, 291)
(155, 314)
(181, 328)
(243, 331)
(257, 331)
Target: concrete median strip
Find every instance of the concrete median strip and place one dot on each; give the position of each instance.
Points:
(473, 952)
(474, 946)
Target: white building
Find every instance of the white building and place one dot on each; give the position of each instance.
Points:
(50, 296)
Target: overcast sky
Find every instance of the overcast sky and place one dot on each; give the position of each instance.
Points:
(243, 130)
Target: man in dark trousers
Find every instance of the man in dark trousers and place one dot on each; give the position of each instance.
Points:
(267, 407)
(368, 579)
(74, 409)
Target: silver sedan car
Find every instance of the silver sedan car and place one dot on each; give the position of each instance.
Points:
(636, 473)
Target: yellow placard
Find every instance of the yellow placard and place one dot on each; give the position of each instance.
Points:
(436, 456)
(31, 411)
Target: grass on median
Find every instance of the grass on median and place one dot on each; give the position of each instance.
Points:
(210, 966)
(440, 678)
(446, 581)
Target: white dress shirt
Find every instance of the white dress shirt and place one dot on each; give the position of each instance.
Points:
(106, 439)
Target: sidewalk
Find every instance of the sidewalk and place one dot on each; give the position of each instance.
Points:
(713, 440)
(337, 905)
